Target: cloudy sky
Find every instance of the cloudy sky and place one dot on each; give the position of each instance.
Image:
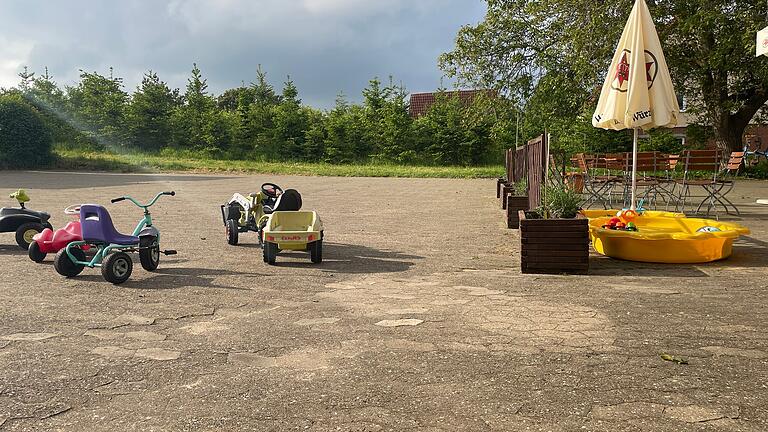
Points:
(326, 46)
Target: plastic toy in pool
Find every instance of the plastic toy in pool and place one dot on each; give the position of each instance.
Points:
(666, 238)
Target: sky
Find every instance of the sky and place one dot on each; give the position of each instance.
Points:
(326, 46)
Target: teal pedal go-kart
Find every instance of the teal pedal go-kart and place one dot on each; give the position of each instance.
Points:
(111, 247)
(24, 222)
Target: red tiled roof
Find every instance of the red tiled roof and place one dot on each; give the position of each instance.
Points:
(420, 102)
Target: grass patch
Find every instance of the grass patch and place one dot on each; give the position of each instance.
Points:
(77, 160)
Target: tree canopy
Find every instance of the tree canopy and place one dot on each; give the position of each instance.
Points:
(709, 45)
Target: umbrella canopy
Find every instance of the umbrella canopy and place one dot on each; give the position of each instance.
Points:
(762, 42)
(638, 90)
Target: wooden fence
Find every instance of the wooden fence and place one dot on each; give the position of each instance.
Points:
(528, 162)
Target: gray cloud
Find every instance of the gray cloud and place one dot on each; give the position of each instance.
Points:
(326, 46)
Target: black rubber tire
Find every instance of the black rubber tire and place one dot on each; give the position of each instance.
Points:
(270, 252)
(35, 254)
(64, 266)
(232, 231)
(117, 268)
(149, 255)
(316, 251)
(24, 228)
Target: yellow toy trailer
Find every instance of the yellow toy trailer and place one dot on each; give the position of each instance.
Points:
(293, 230)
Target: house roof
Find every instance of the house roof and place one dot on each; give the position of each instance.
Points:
(421, 102)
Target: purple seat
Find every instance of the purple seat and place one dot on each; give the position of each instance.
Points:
(98, 228)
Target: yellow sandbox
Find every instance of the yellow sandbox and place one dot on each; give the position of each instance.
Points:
(664, 238)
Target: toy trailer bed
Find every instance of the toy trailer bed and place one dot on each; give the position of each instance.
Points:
(293, 230)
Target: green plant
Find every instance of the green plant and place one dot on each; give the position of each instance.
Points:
(520, 188)
(25, 142)
(560, 201)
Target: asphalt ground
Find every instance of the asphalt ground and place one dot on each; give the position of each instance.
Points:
(418, 319)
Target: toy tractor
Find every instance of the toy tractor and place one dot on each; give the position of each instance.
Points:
(24, 222)
(276, 217)
(244, 214)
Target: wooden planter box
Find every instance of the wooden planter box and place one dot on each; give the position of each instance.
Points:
(554, 246)
(499, 182)
(514, 205)
(506, 190)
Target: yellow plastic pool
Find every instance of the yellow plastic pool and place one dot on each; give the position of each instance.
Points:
(664, 238)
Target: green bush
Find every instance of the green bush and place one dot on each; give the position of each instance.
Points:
(560, 201)
(759, 171)
(25, 142)
(661, 140)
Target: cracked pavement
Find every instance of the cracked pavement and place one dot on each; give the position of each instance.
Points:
(418, 320)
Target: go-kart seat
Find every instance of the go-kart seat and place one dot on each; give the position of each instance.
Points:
(290, 200)
(97, 227)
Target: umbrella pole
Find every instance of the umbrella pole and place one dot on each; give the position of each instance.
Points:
(634, 172)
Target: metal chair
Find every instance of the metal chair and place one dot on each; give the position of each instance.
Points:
(703, 169)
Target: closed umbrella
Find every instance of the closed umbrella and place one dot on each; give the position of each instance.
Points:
(638, 91)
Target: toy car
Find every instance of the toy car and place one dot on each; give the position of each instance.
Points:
(50, 241)
(293, 230)
(243, 214)
(112, 246)
(25, 222)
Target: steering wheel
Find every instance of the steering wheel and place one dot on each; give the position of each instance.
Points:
(271, 190)
(73, 210)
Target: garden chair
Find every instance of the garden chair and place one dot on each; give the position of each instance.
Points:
(596, 188)
(703, 170)
(727, 181)
(647, 182)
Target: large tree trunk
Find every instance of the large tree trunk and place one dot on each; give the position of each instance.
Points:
(730, 132)
(730, 127)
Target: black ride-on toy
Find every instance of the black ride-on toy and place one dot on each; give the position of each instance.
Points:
(242, 214)
(24, 222)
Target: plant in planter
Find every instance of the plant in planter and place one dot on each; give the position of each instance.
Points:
(555, 237)
(517, 200)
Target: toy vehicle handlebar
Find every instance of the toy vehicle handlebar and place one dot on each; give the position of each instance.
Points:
(144, 206)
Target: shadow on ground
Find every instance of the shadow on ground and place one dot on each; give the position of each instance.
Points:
(351, 259)
(176, 277)
(604, 266)
(747, 252)
(11, 249)
(76, 180)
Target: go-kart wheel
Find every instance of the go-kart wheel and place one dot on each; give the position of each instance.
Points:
(149, 253)
(35, 254)
(316, 251)
(270, 252)
(64, 265)
(25, 232)
(232, 231)
(117, 268)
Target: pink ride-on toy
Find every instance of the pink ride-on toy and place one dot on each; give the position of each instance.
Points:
(50, 241)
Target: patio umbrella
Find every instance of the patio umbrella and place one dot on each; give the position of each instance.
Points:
(638, 91)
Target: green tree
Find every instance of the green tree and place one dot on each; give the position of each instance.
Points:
(315, 136)
(443, 136)
(345, 140)
(98, 104)
(709, 47)
(25, 141)
(193, 121)
(231, 99)
(395, 140)
(290, 123)
(50, 101)
(150, 112)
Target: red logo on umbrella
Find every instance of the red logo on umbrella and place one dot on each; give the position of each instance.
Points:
(623, 67)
